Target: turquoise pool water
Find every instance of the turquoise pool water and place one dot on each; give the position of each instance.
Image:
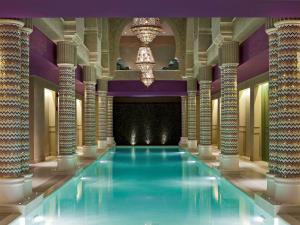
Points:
(148, 186)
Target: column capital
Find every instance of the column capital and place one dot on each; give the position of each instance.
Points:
(66, 53)
(229, 53)
(28, 26)
(89, 74)
(15, 22)
(204, 73)
(270, 25)
(287, 21)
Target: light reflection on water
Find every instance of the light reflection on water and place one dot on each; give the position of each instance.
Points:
(137, 186)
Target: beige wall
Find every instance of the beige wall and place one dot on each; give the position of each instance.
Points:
(43, 119)
(250, 117)
(38, 128)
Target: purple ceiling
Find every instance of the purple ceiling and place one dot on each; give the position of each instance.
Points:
(129, 8)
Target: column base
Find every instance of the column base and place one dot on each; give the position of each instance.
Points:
(28, 185)
(111, 141)
(287, 190)
(66, 163)
(229, 162)
(89, 151)
(183, 141)
(270, 184)
(192, 144)
(12, 190)
(205, 151)
(102, 144)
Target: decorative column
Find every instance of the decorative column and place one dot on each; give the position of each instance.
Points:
(204, 78)
(12, 157)
(89, 80)
(24, 91)
(66, 61)
(110, 135)
(192, 91)
(184, 130)
(273, 107)
(102, 112)
(287, 178)
(228, 61)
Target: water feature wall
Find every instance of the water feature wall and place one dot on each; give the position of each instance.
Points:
(147, 121)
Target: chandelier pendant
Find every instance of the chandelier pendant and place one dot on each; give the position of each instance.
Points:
(146, 29)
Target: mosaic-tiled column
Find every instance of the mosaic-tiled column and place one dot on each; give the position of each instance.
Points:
(66, 61)
(110, 135)
(287, 180)
(228, 61)
(102, 113)
(192, 103)
(184, 130)
(11, 133)
(273, 107)
(24, 91)
(89, 80)
(204, 78)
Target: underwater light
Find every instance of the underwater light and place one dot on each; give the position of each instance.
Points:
(259, 219)
(38, 219)
(191, 161)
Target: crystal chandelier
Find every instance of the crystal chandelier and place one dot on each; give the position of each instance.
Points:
(144, 59)
(146, 29)
(147, 78)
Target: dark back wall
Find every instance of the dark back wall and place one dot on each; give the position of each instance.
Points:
(147, 121)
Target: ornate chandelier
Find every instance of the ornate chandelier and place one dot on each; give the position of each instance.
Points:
(146, 29)
(144, 59)
(147, 78)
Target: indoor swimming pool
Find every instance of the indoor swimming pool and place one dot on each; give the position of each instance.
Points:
(148, 186)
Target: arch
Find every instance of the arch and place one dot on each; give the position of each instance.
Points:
(116, 32)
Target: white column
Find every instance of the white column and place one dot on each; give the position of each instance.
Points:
(192, 103)
(110, 127)
(228, 60)
(184, 130)
(12, 160)
(205, 147)
(102, 113)
(66, 55)
(287, 172)
(90, 147)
